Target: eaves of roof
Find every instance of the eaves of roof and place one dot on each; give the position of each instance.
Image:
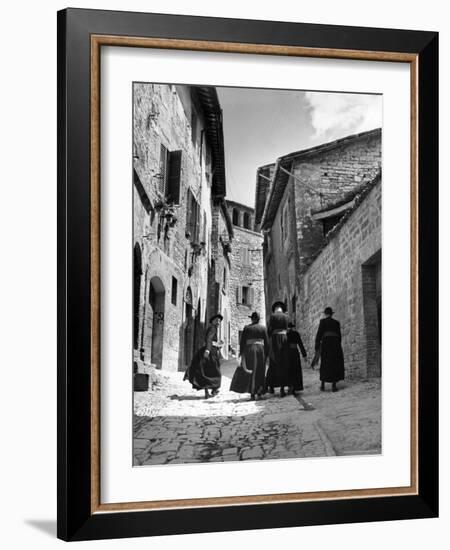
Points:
(357, 200)
(209, 101)
(281, 178)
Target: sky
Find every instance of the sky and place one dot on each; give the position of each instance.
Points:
(261, 125)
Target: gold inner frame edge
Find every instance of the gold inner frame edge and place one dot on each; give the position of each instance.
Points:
(97, 41)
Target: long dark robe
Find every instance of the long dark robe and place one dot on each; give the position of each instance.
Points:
(328, 340)
(296, 347)
(278, 371)
(254, 358)
(204, 373)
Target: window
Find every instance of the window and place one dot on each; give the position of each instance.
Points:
(174, 291)
(163, 169)
(169, 181)
(194, 126)
(246, 220)
(235, 217)
(245, 256)
(245, 295)
(192, 217)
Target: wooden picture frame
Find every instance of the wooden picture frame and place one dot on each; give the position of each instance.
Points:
(81, 35)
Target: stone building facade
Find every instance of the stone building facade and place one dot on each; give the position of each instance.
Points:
(346, 273)
(246, 286)
(322, 242)
(219, 275)
(179, 179)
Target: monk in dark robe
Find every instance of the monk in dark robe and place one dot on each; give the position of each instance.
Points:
(296, 347)
(328, 341)
(204, 371)
(250, 376)
(278, 371)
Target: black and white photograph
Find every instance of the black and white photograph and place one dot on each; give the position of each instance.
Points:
(257, 284)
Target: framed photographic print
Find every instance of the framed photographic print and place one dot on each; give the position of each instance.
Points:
(247, 252)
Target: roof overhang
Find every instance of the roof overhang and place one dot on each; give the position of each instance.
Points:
(209, 101)
(330, 213)
(284, 165)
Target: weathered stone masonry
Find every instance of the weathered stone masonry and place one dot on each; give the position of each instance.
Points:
(247, 276)
(309, 193)
(343, 275)
(178, 171)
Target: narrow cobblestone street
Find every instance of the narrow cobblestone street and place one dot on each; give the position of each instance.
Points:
(174, 423)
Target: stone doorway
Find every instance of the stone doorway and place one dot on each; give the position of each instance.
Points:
(372, 293)
(157, 297)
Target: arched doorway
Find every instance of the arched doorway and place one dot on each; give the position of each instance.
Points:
(188, 328)
(137, 270)
(157, 297)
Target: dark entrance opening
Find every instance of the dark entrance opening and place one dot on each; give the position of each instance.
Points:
(372, 292)
(157, 297)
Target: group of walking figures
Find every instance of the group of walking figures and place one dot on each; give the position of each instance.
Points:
(280, 345)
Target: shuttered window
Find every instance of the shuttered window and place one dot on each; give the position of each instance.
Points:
(192, 217)
(245, 256)
(169, 181)
(174, 291)
(174, 177)
(194, 126)
(163, 169)
(245, 295)
(239, 295)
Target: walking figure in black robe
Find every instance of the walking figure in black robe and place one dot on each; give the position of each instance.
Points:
(328, 341)
(296, 347)
(278, 372)
(204, 371)
(249, 377)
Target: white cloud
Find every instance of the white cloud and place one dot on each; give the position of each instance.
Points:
(334, 115)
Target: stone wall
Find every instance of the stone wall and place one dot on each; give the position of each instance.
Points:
(323, 178)
(241, 215)
(346, 276)
(162, 116)
(246, 270)
(219, 276)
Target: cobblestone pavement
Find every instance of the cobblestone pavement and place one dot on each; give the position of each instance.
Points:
(175, 424)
